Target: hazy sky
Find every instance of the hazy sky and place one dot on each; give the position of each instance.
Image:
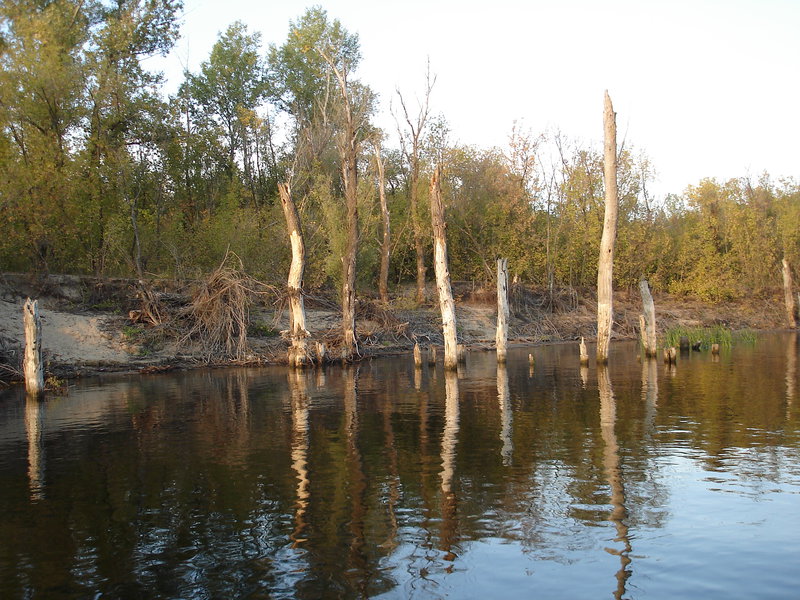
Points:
(705, 88)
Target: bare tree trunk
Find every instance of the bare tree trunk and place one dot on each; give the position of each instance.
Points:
(787, 292)
(605, 263)
(383, 278)
(649, 333)
(446, 303)
(501, 338)
(298, 351)
(32, 366)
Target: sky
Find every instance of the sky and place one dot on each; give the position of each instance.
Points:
(704, 88)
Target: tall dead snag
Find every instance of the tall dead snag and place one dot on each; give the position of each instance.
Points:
(32, 365)
(501, 338)
(446, 303)
(298, 351)
(649, 308)
(383, 277)
(605, 264)
(787, 293)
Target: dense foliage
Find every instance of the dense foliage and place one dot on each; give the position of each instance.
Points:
(101, 173)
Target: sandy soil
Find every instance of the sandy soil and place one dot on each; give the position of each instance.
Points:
(70, 338)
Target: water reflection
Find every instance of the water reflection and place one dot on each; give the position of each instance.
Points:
(346, 483)
(650, 391)
(791, 369)
(506, 416)
(449, 442)
(613, 471)
(584, 376)
(299, 400)
(34, 412)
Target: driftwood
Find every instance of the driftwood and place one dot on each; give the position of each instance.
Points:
(417, 356)
(605, 262)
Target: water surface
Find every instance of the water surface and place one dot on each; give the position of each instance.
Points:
(635, 481)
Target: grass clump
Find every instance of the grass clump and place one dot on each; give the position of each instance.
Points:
(706, 336)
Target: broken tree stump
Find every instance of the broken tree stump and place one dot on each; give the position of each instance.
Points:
(501, 339)
(584, 353)
(32, 365)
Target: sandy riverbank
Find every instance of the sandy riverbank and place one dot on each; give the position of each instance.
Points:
(86, 331)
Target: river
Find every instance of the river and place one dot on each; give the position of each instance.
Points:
(640, 480)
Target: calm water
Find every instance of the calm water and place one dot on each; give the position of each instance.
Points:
(638, 481)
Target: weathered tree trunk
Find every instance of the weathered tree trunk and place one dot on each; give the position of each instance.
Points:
(649, 332)
(32, 366)
(298, 351)
(605, 263)
(787, 292)
(501, 338)
(446, 303)
(383, 277)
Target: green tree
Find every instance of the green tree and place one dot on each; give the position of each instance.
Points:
(228, 92)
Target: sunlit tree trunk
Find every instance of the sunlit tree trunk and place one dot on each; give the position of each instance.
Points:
(32, 365)
(787, 292)
(605, 263)
(298, 352)
(446, 303)
(501, 338)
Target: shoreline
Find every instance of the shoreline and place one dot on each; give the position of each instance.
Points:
(86, 332)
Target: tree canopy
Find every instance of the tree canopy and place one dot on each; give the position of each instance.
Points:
(103, 173)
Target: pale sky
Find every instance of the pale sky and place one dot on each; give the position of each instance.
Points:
(705, 88)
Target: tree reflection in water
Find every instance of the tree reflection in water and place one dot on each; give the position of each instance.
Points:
(506, 415)
(449, 442)
(791, 371)
(34, 411)
(299, 399)
(613, 471)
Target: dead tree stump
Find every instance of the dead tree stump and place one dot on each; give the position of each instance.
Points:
(32, 365)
